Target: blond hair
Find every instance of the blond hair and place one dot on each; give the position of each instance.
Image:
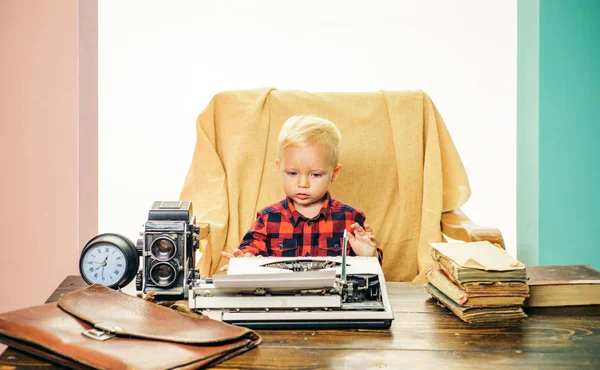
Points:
(308, 130)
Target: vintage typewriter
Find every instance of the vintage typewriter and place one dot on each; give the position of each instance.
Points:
(298, 292)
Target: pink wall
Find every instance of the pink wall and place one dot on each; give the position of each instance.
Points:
(48, 144)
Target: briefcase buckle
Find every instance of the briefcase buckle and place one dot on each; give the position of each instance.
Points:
(98, 334)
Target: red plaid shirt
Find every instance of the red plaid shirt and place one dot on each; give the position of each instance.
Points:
(281, 231)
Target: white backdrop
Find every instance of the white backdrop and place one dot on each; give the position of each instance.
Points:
(161, 62)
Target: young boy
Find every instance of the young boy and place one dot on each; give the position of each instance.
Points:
(308, 222)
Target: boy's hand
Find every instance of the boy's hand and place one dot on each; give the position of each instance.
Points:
(363, 242)
(236, 253)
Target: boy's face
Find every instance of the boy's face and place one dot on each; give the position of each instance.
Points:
(306, 172)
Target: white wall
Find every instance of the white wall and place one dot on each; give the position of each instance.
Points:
(161, 62)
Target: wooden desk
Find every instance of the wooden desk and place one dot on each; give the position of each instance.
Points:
(423, 335)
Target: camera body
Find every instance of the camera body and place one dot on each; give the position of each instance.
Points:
(167, 247)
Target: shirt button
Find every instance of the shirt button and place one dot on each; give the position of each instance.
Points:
(280, 246)
(337, 246)
(309, 223)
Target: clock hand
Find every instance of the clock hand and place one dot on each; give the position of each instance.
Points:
(103, 263)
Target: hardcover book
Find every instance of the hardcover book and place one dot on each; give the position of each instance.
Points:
(568, 285)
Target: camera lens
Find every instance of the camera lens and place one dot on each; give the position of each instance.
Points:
(163, 248)
(163, 274)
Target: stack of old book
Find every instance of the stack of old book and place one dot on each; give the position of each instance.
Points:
(478, 282)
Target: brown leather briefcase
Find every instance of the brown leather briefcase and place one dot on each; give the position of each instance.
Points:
(97, 327)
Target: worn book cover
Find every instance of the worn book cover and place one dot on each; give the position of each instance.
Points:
(477, 314)
(477, 262)
(487, 295)
(566, 285)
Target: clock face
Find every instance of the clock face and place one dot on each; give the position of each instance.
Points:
(104, 264)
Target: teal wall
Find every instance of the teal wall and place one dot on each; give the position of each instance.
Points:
(568, 129)
(569, 141)
(527, 131)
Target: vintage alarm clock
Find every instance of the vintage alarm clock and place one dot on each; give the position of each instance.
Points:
(109, 259)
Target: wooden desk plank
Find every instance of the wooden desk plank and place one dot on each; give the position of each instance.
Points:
(311, 358)
(70, 284)
(307, 358)
(423, 333)
(426, 333)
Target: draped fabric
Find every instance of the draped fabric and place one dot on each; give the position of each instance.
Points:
(399, 166)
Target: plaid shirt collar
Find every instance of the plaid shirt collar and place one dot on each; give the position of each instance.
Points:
(294, 216)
